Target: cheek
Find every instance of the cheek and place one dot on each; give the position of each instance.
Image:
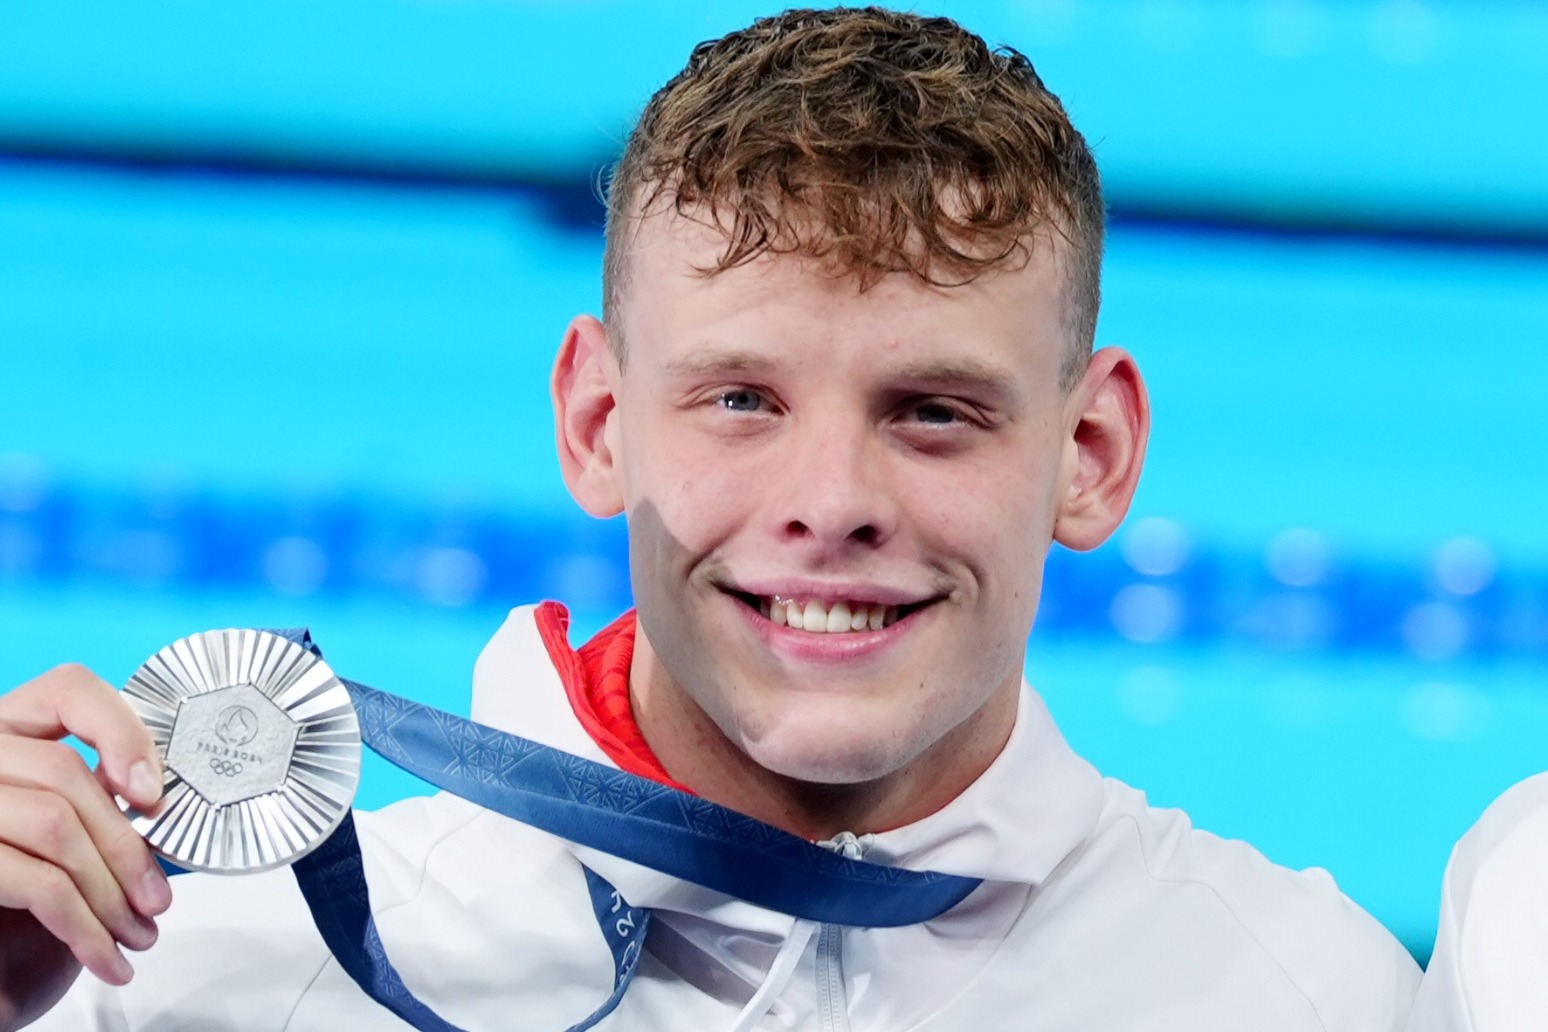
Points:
(681, 514)
(653, 550)
(993, 515)
(999, 524)
(697, 494)
(659, 565)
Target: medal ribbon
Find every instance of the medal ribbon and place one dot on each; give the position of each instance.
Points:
(594, 805)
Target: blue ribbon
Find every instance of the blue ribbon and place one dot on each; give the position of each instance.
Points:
(594, 805)
(651, 824)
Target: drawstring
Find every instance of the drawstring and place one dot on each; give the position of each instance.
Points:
(778, 977)
(848, 845)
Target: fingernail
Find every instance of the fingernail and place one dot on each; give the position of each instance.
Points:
(147, 933)
(155, 892)
(143, 782)
(123, 971)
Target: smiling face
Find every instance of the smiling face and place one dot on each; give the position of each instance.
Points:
(839, 506)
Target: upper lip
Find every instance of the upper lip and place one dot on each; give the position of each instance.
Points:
(829, 592)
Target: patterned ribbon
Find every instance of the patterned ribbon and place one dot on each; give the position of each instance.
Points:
(608, 809)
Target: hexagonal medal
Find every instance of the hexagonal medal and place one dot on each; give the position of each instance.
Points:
(260, 749)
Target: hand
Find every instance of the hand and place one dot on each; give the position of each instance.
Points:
(76, 881)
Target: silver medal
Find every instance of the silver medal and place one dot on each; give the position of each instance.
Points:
(260, 745)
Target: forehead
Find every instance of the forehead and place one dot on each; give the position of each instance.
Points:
(676, 303)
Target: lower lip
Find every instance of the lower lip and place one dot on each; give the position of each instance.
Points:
(811, 647)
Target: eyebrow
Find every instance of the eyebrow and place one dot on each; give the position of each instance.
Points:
(959, 374)
(717, 361)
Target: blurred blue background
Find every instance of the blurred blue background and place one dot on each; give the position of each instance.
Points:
(280, 283)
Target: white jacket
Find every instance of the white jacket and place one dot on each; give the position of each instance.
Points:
(1097, 913)
(1489, 972)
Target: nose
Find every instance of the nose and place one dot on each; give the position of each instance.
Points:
(833, 487)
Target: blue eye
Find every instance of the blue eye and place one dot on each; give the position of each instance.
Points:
(933, 412)
(741, 400)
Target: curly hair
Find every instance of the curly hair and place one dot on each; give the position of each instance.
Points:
(875, 140)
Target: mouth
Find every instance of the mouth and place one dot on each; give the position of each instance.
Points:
(828, 616)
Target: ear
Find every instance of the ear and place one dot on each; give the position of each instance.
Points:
(585, 388)
(1108, 415)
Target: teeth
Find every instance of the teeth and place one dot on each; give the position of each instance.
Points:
(814, 618)
(817, 617)
(838, 618)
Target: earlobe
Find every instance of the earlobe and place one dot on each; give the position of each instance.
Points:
(585, 385)
(1104, 451)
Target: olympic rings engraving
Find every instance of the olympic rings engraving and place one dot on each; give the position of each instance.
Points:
(226, 768)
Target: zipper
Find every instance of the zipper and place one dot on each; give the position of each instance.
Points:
(832, 1000)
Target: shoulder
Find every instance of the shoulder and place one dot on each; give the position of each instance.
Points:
(1490, 967)
(1215, 919)
(1277, 905)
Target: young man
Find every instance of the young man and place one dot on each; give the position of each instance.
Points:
(846, 395)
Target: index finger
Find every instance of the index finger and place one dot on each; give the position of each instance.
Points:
(71, 700)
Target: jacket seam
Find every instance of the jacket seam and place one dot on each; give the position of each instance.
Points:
(424, 872)
(290, 1016)
(1279, 966)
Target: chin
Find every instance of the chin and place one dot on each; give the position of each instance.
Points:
(826, 756)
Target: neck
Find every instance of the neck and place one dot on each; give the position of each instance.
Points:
(697, 753)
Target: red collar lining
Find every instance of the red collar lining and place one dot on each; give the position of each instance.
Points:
(596, 680)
